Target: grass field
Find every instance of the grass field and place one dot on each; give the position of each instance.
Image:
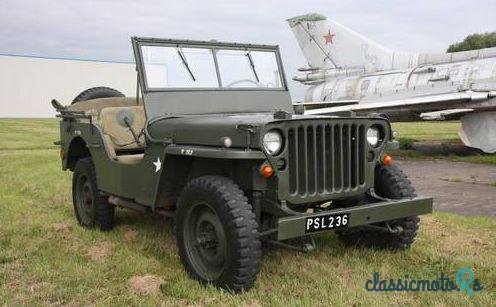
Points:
(46, 258)
(428, 131)
(436, 131)
(28, 133)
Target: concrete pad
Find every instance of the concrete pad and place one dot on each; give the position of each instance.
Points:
(459, 187)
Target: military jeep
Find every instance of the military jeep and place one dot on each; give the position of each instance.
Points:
(212, 140)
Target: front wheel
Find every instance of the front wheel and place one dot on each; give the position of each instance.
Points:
(390, 182)
(217, 234)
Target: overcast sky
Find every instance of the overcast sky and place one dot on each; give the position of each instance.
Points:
(102, 29)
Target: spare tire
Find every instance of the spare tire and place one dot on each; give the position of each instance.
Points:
(97, 92)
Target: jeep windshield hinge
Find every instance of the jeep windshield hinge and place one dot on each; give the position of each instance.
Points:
(249, 129)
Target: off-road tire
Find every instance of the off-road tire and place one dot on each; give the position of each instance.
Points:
(98, 212)
(97, 92)
(242, 248)
(390, 182)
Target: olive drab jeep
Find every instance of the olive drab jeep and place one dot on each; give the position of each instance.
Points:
(212, 140)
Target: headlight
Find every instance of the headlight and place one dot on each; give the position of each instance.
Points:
(373, 136)
(272, 142)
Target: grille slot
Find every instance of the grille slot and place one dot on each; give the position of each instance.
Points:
(325, 158)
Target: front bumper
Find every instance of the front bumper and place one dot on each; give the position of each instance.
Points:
(294, 226)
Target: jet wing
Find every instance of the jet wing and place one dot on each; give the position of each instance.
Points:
(452, 114)
(409, 108)
(323, 104)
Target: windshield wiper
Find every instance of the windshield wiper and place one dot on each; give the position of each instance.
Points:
(185, 63)
(252, 65)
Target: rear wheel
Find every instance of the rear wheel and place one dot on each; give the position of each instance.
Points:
(92, 209)
(390, 182)
(217, 234)
(97, 92)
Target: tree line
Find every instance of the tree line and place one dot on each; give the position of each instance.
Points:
(474, 41)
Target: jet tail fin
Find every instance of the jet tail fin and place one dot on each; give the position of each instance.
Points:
(327, 44)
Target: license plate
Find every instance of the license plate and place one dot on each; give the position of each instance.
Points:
(327, 222)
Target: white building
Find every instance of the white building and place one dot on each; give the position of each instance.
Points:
(28, 84)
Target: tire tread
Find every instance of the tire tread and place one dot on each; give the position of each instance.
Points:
(241, 222)
(97, 92)
(391, 182)
(104, 212)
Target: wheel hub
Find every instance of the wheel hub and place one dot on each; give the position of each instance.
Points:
(87, 199)
(206, 238)
(84, 199)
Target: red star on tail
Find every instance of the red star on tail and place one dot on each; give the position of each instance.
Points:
(328, 37)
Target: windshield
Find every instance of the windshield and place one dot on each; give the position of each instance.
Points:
(176, 67)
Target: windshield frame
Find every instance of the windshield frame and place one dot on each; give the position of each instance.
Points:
(139, 42)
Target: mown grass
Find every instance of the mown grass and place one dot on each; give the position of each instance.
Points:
(28, 133)
(46, 258)
(434, 131)
(428, 131)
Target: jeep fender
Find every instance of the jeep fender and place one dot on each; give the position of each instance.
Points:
(214, 152)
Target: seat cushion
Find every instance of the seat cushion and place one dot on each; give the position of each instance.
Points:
(129, 159)
(120, 135)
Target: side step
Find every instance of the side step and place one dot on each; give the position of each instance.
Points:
(129, 204)
(125, 203)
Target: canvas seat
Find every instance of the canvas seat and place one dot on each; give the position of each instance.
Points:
(118, 137)
(129, 159)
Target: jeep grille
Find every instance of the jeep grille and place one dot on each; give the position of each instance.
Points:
(326, 158)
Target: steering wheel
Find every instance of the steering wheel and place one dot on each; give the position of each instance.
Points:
(242, 81)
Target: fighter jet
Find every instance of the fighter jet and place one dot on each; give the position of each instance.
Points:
(349, 72)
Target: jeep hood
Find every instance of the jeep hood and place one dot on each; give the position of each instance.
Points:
(209, 130)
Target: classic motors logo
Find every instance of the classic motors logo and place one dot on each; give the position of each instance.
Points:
(464, 281)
